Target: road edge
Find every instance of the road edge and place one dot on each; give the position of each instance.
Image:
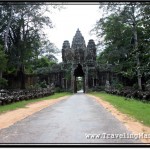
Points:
(130, 123)
(9, 118)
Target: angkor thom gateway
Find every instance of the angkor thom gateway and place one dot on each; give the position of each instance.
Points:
(79, 60)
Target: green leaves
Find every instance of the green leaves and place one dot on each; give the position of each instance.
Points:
(26, 39)
(3, 59)
(124, 31)
(22, 36)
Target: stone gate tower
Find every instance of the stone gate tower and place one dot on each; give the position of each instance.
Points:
(81, 61)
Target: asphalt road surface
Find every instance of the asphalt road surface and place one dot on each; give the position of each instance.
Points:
(77, 119)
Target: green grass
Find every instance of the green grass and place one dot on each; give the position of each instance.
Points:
(22, 104)
(137, 109)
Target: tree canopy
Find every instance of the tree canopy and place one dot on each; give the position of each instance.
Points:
(124, 32)
(22, 36)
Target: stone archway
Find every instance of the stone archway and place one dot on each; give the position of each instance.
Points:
(78, 72)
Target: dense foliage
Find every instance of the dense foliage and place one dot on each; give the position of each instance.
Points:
(124, 32)
(24, 46)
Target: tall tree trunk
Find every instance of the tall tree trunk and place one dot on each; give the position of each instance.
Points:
(136, 50)
(22, 77)
(6, 35)
(137, 61)
(7, 29)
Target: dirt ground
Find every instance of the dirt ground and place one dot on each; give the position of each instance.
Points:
(9, 118)
(131, 124)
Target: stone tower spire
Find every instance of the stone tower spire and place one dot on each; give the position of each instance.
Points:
(78, 40)
(66, 51)
(91, 51)
(78, 47)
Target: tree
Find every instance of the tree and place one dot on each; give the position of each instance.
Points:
(122, 30)
(49, 49)
(144, 41)
(3, 61)
(21, 34)
(116, 40)
(3, 65)
(131, 16)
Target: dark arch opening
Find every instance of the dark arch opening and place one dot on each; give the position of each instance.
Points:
(78, 72)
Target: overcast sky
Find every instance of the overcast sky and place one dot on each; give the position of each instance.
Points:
(68, 20)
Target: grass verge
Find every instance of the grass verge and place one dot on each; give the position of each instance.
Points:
(134, 108)
(22, 104)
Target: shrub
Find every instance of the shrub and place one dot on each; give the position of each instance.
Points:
(3, 83)
(37, 86)
(135, 86)
(58, 90)
(148, 85)
(43, 84)
(117, 85)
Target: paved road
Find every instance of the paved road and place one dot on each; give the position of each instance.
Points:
(69, 121)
